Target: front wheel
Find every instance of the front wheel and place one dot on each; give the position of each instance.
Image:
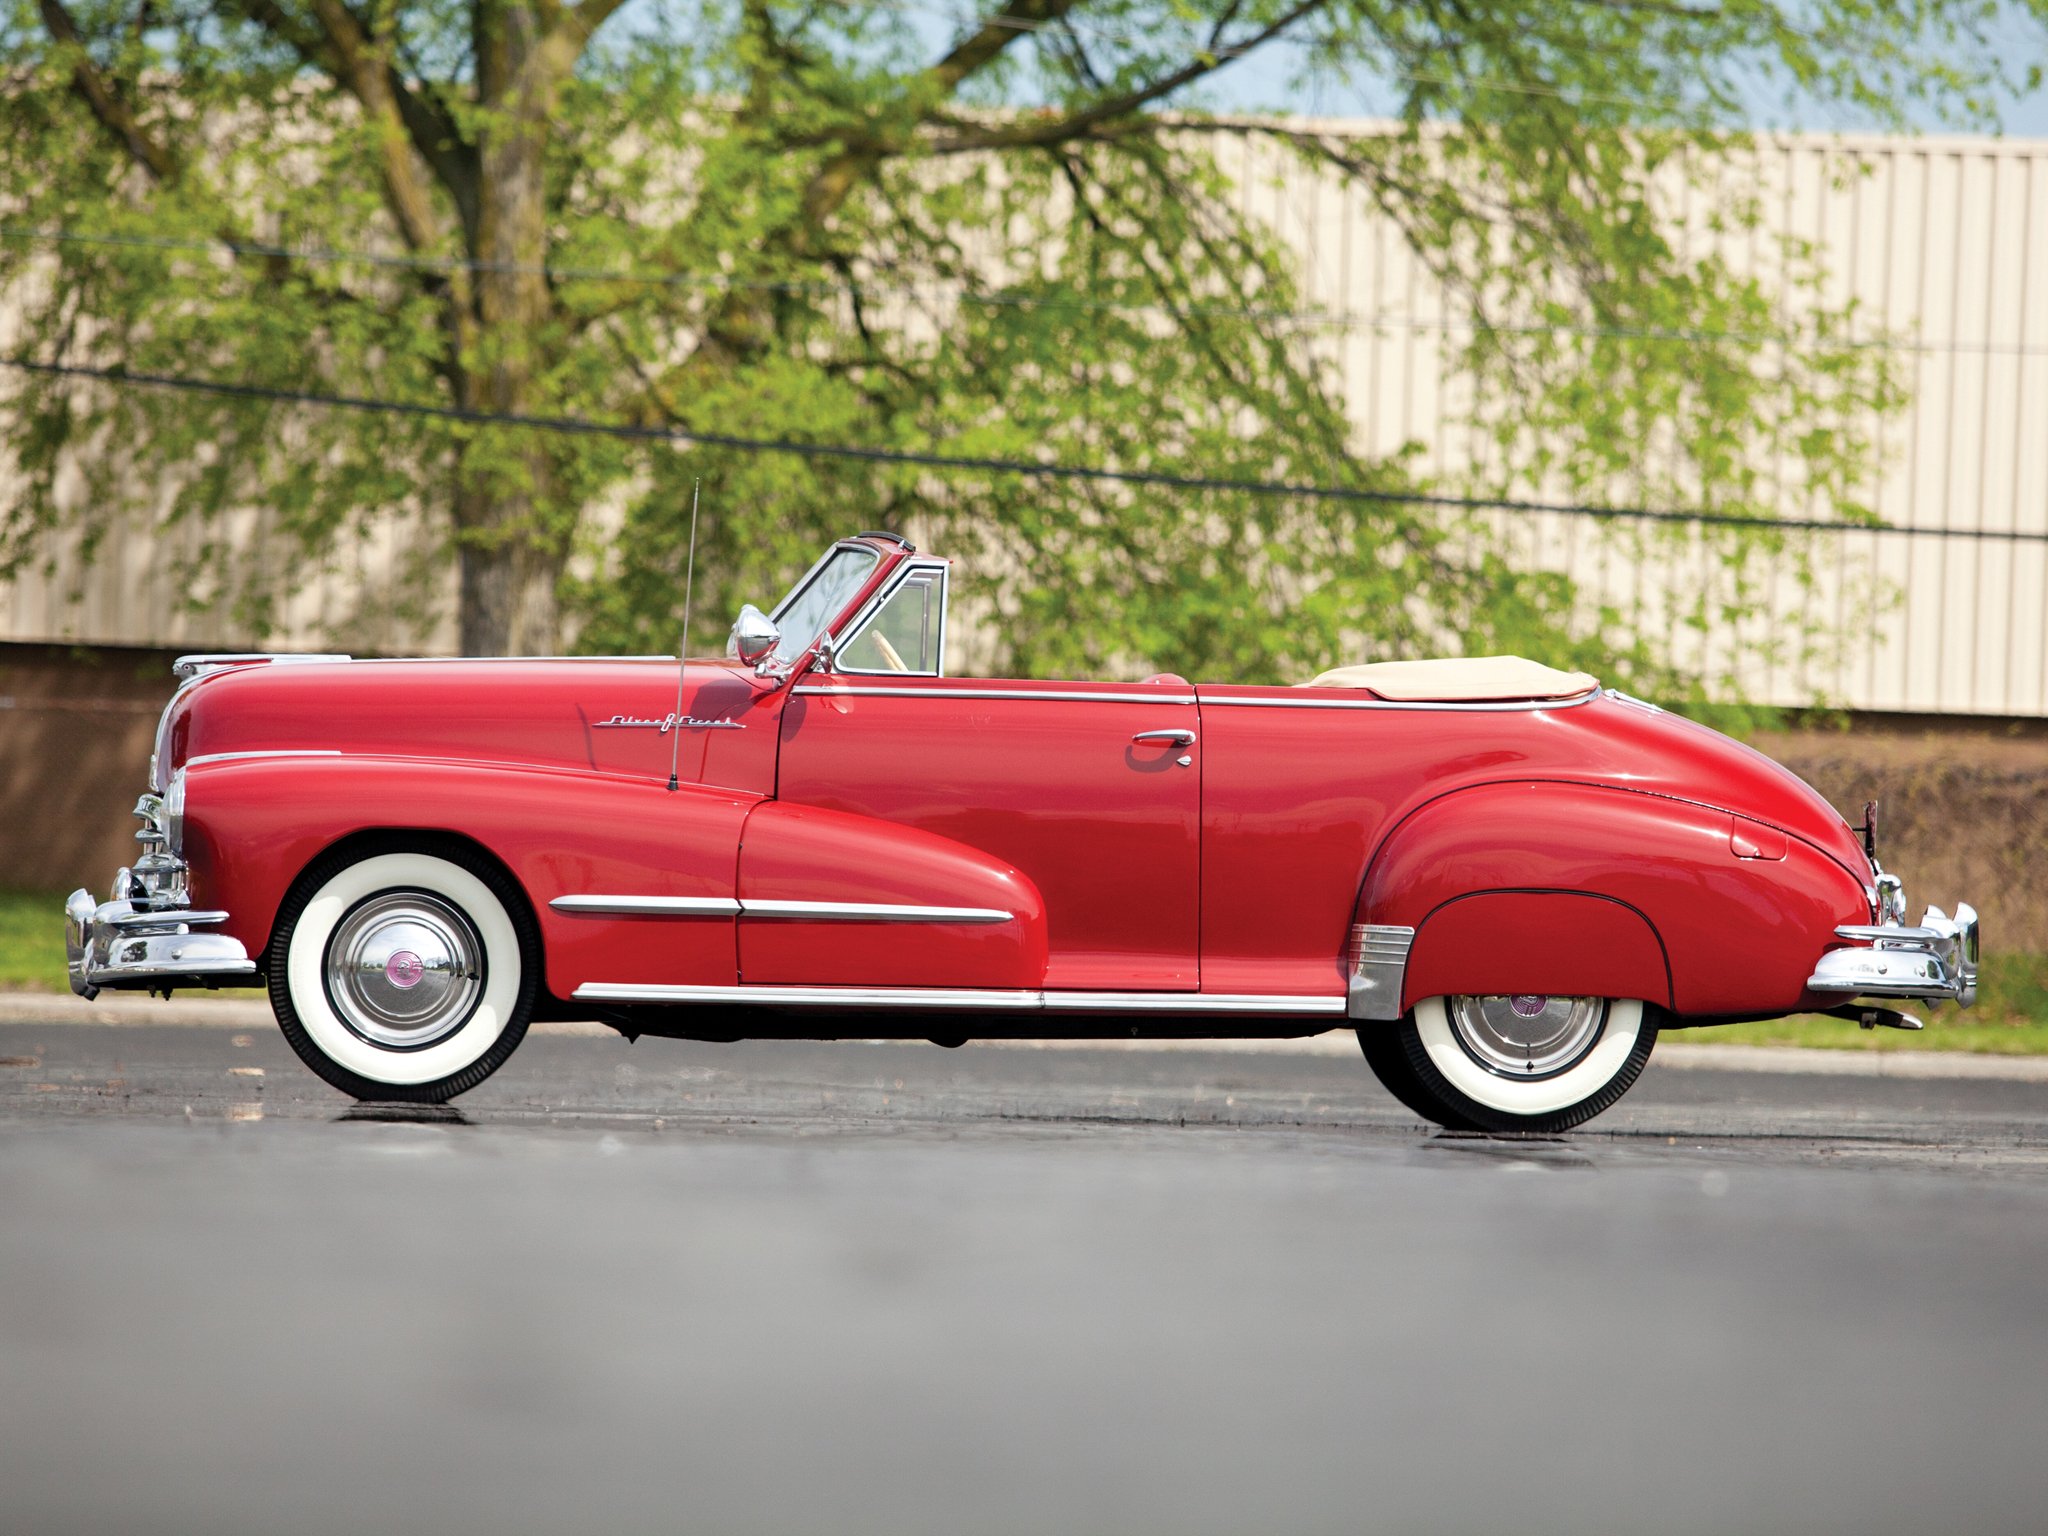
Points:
(1512, 1063)
(404, 974)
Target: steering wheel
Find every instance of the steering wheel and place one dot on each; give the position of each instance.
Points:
(896, 662)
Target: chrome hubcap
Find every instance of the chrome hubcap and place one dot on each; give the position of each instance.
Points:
(1527, 1036)
(404, 970)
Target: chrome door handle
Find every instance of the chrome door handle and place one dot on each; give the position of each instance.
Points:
(1179, 738)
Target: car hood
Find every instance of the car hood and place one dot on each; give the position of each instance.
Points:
(597, 715)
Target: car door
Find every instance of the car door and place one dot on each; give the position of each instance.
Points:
(1091, 790)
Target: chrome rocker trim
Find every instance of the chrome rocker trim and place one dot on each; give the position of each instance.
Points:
(1936, 961)
(117, 944)
(971, 999)
(1377, 957)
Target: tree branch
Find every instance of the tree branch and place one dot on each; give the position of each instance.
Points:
(352, 60)
(995, 34)
(158, 160)
(359, 67)
(579, 23)
(836, 179)
(1079, 124)
(105, 101)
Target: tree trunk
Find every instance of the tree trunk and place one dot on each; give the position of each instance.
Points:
(510, 532)
(506, 594)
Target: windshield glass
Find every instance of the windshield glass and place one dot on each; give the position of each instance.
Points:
(819, 599)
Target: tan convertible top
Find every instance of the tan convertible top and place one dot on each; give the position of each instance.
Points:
(1459, 680)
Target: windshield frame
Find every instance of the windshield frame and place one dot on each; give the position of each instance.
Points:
(790, 649)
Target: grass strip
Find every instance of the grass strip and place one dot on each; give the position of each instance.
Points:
(32, 941)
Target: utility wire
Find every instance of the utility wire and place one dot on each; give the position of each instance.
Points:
(959, 290)
(582, 427)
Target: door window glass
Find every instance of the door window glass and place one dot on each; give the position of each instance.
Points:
(905, 633)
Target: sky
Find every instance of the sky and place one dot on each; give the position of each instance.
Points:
(1261, 82)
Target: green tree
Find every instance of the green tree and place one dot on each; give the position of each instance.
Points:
(886, 224)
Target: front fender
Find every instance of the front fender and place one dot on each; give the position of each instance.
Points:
(837, 899)
(1571, 888)
(253, 825)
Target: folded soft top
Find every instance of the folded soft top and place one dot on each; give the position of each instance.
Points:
(1459, 680)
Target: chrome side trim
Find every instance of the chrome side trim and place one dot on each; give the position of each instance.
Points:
(1377, 960)
(968, 998)
(999, 693)
(1483, 706)
(1628, 698)
(815, 911)
(650, 906)
(236, 757)
(463, 661)
(870, 912)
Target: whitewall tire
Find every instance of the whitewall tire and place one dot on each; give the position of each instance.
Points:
(404, 973)
(1523, 1063)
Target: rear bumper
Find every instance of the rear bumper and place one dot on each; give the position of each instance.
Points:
(117, 944)
(1936, 961)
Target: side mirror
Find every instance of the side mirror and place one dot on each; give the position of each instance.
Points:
(754, 637)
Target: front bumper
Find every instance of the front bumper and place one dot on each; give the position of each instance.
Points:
(1936, 961)
(118, 944)
(143, 935)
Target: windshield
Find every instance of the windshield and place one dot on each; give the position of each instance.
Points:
(820, 598)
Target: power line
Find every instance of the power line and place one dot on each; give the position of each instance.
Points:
(960, 290)
(579, 426)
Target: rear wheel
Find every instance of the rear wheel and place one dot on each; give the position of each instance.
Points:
(1512, 1063)
(402, 973)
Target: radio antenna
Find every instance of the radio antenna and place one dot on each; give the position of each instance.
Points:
(675, 721)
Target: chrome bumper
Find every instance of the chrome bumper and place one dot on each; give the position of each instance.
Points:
(117, 944)
(1936, 961)
(142, 936)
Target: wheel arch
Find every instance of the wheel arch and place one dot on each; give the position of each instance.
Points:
(1566, 943)
(365, 842)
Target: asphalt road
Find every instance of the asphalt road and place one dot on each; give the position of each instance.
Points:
(790, 1288)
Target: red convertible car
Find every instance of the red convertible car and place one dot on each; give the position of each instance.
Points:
(1506, 879)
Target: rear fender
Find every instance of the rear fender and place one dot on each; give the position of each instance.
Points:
(1578, 889)
(253, 825)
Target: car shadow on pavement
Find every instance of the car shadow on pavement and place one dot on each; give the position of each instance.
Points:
(402, 1114)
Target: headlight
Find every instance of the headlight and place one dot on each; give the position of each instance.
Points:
(174, 815)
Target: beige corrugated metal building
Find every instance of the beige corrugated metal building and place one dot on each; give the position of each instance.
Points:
(1936, 237)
